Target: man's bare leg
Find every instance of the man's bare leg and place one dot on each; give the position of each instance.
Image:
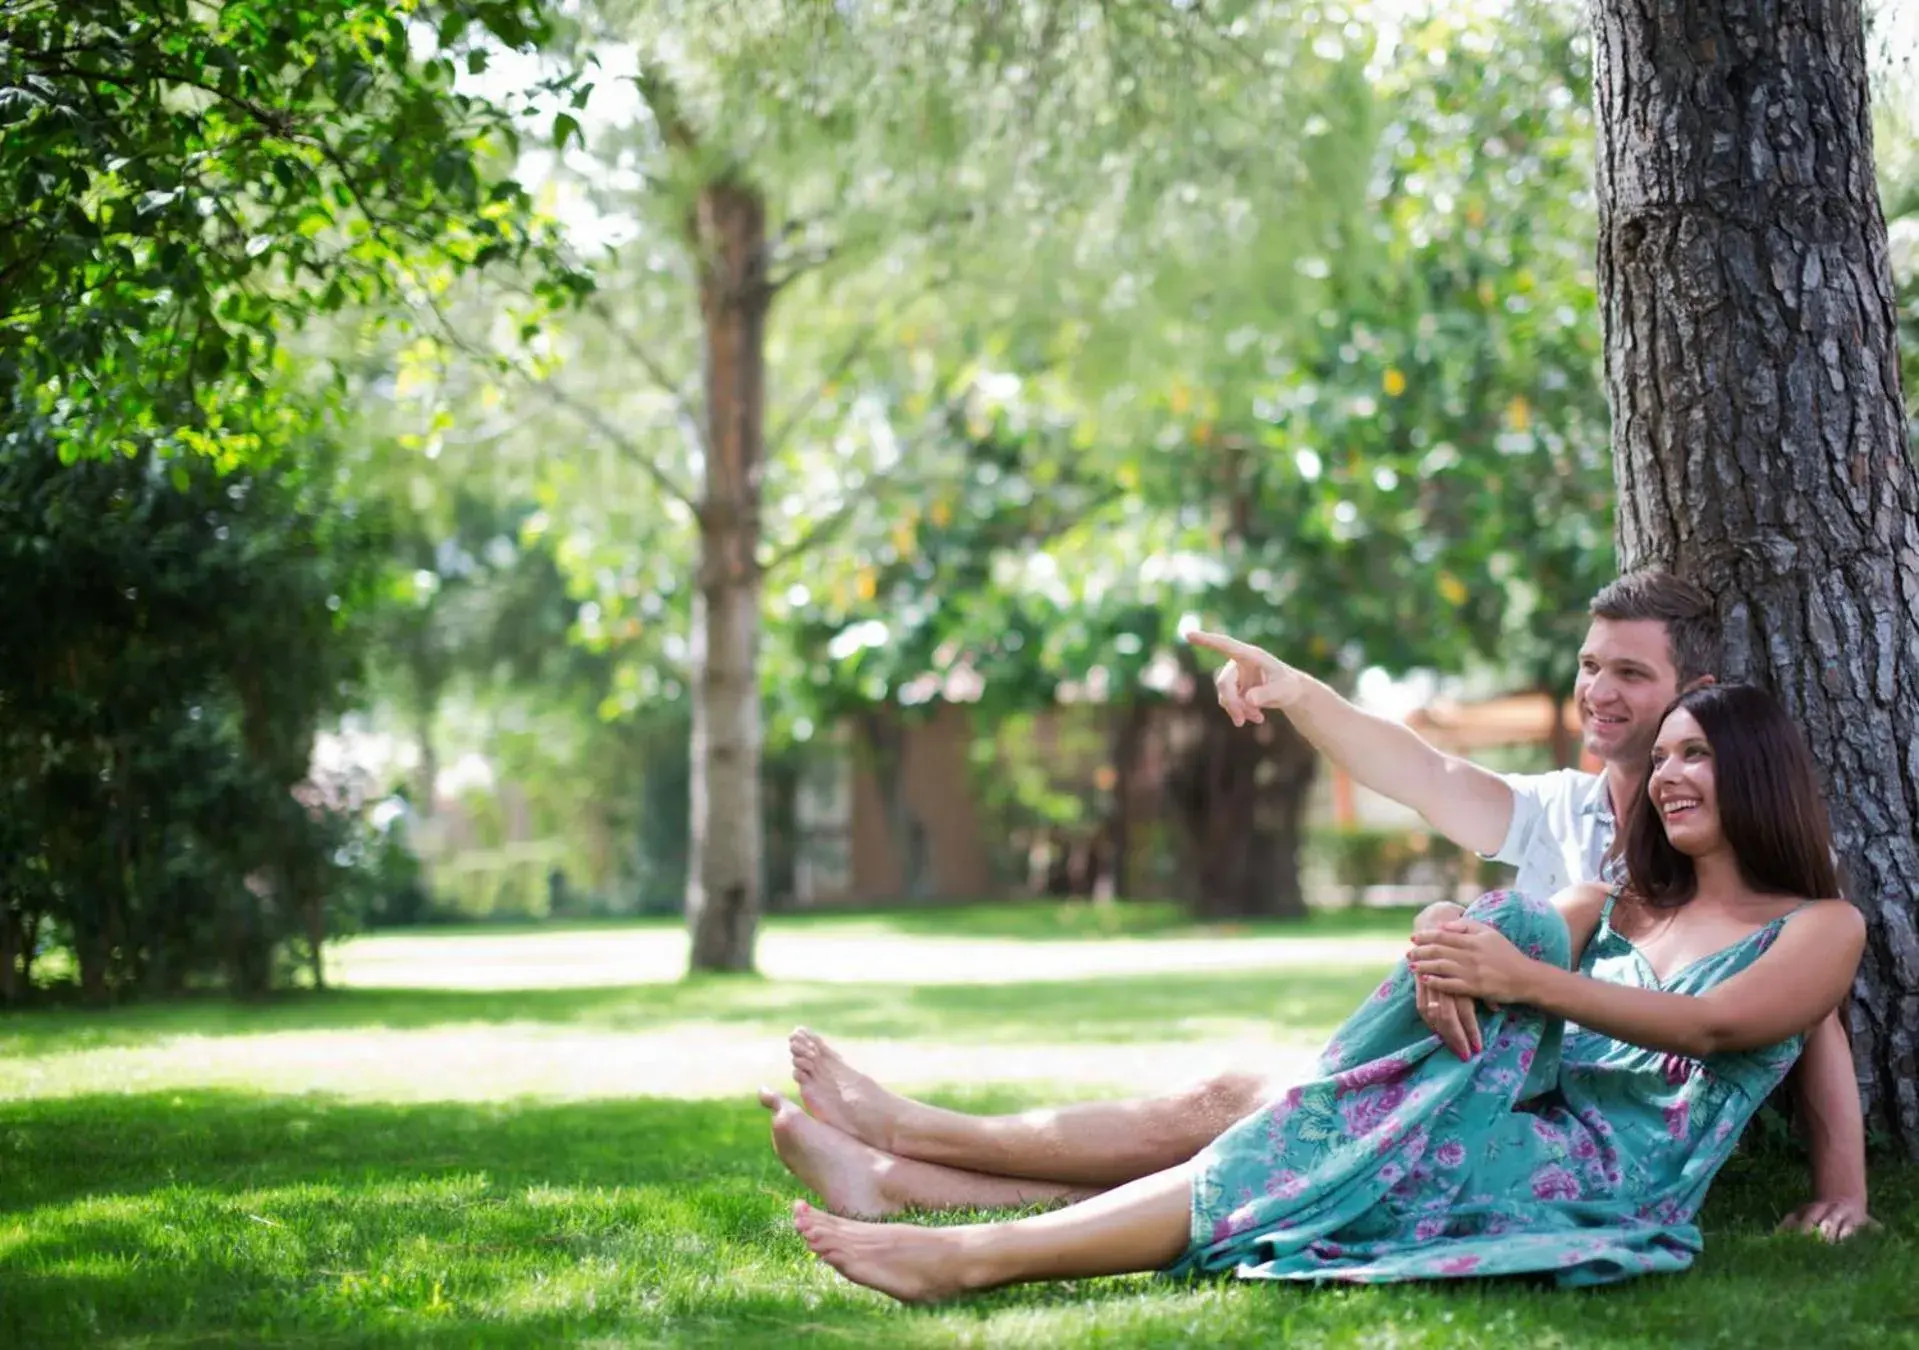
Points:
(1095, 1144)
(1145, 1225)
(857, 1179)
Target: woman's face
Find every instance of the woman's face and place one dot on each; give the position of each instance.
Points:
(1682, 786)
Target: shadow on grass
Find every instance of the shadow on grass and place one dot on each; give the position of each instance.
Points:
(173, 1219)
(1081, 920)
(1171, 1006)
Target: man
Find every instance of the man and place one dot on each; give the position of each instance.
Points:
(1651, 635)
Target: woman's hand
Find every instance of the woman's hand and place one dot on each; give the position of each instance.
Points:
(1450, 1017)
(1473, 959)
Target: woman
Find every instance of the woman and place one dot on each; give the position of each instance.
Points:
(1582, 1137)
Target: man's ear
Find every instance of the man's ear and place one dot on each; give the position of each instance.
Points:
(1699, 683)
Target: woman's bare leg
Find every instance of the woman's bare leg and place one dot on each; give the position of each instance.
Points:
(857, 1179)
(1144, 1225)
(1094, 1144)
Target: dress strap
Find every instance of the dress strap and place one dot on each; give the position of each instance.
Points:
(1612, 898)
(1794, 910)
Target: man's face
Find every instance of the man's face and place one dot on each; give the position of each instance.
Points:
(1626, 679)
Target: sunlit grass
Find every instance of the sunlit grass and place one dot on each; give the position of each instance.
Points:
(173, 1219)
(521, 1167)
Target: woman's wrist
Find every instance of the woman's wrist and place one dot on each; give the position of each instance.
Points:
(1535, 983)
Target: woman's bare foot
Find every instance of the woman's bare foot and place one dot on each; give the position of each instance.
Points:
(841, 1095)
(848, 1175)
(914, 1265)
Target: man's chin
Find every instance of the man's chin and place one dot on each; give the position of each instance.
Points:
(1605, 742)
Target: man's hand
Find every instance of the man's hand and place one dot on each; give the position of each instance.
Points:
(1832, 1220)
(1452, 1018)
(1251, 679)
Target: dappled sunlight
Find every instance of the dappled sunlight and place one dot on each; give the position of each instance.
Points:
(1120, 1015)
(512, 1061)
(582, 959)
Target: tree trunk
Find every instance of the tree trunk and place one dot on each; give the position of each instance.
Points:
(1565, 745)
(723, 880)
(12, 939)
(1128, 731)
(1758, 435)
(1239, 796)
(313, 910)
(883, 734)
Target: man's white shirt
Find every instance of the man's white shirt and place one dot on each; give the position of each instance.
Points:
(1561, 830)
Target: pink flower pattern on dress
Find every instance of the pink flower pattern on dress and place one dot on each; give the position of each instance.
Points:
(1400, 1162)
(1365, 1112)
(1553, 1182)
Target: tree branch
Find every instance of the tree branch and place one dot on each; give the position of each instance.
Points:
(797, 266)
(690, 424)
(584, 411)
(790, 423)
(827, 526)
(620, 441)
(776, 441)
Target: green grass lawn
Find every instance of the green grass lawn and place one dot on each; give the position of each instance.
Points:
(197, 1215)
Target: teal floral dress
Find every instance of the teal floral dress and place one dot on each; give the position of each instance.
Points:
(1555, 1150)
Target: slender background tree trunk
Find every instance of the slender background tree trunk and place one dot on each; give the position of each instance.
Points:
(723, 879)
(1758, 431)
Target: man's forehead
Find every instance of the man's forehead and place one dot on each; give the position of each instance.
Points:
(1642, 642)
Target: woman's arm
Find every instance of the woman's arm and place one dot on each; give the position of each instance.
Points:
(1828, 1093)
(1789, 989)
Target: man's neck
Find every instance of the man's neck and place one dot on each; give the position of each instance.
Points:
(1622, 790)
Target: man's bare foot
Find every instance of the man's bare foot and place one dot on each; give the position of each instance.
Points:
(913, 1264)
(841, 1095)
(848, 1175)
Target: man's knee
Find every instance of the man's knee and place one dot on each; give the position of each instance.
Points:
(1226, 1097)
(1529, 922)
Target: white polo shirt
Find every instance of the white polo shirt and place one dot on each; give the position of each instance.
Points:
(1562, 826)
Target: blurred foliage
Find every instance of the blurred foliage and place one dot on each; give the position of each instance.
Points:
(1275, 316)
(173, 637)
(1357, 857)
(1410, 470)
(181, 187)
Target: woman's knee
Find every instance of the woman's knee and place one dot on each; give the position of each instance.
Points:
(1529, 922)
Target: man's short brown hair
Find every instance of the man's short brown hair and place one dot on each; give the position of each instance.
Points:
(1690, 617)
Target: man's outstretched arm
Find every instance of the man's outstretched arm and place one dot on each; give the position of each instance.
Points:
(1469, 805)
(1828, 1093)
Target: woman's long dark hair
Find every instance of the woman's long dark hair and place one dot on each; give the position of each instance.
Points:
(1770, 808)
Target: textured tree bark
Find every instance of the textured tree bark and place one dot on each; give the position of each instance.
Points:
(723, 878)
(1758, 437)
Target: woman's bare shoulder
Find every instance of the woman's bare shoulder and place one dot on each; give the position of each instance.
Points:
(1582, 897)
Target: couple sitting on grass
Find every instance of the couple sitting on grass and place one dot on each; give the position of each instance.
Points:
(1547, 1084)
